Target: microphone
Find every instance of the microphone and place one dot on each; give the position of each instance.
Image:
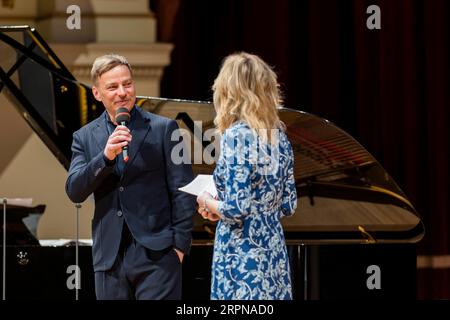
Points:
(123, 118)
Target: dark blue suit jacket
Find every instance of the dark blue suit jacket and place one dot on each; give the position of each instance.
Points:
(146, 195)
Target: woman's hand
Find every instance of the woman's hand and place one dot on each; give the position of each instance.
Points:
(203, 209)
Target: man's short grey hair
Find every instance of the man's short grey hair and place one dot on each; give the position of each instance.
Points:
(107, 62)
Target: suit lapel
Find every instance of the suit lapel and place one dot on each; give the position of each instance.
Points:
(100, 132)
(141, 127)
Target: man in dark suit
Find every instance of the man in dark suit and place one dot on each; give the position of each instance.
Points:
(142, 223)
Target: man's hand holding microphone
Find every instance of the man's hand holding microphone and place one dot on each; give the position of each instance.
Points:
(118, 141)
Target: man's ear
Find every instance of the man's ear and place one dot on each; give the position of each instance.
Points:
(96, 93)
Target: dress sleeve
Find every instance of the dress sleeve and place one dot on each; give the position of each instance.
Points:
(289, 199)
(238, 172)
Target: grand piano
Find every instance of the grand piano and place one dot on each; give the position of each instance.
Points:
(353, 235)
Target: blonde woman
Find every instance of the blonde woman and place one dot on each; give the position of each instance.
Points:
(255, 183)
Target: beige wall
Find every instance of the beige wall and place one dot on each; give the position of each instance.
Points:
(14, 132)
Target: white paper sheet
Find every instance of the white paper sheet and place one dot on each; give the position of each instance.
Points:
(203, 182)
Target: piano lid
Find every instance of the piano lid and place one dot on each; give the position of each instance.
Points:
(42, 89)
(344, 194)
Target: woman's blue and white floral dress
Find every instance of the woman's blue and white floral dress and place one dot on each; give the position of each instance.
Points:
(256, 187)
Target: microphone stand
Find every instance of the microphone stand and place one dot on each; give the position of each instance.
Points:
(77, 269)
(305, 273)
(4, 250)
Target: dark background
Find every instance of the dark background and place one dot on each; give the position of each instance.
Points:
(388, 88)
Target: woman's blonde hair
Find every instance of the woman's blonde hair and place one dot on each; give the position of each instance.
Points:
(247, 89)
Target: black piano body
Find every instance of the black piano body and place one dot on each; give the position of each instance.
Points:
(353, 235)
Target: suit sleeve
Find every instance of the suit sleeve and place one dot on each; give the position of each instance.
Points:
(84, 177)
(182, 204)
